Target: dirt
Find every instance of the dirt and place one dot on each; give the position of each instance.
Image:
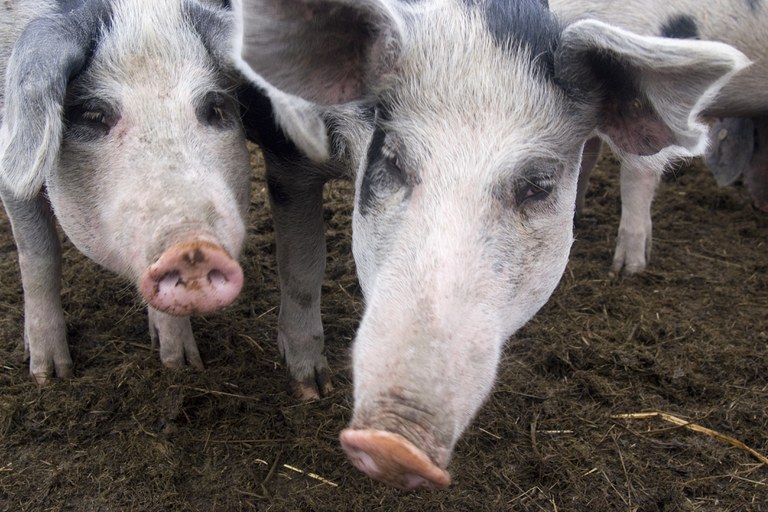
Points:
(688, 338)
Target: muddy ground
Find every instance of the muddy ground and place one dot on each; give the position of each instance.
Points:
(688, 338)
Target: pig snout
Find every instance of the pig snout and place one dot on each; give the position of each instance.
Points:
(192, 278)
(392, 459)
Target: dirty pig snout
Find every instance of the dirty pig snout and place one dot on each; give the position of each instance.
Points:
(192, 278)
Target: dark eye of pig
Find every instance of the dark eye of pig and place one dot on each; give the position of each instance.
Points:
(534, 188)
(383, 175)
(392, 161)
(91, 119)
(384, 162)
(217, 110)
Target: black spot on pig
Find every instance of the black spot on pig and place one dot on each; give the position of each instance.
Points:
(526, 24)
(681, 26)
(367, 195)
(260, 125)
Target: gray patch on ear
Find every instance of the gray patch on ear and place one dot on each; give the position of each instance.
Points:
(299, 119)
(48, 52)
(302, 123)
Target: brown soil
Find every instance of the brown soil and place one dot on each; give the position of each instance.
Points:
(688, 338)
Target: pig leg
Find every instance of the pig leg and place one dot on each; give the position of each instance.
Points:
(589, 157)
(756, 177)
(174, 335)
(633, 245)
(297, 208)
(39, 251)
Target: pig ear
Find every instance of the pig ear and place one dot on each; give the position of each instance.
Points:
(649, 91)
(325, 51)
(277, 121)
(36, 82)
(282, 123)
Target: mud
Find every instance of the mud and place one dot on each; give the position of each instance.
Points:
(688, 338)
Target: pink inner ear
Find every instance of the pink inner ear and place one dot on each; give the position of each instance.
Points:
(343, 85)
(634, 127)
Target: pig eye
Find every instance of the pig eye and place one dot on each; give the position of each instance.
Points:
(91, 119)
(392, 161)
(534, 188)
(384, 163)
(217, 110)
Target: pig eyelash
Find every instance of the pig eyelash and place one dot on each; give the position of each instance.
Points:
(535, 188)
(92, 116)
(216, 110)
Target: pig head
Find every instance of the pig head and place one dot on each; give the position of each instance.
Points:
(462, 125)
(123, 119)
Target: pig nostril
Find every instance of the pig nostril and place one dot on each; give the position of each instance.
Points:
(217, 278)
(171, 280)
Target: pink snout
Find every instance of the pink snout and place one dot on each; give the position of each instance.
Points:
(192, 278)
(392, 459)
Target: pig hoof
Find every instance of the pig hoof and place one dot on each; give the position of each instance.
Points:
(313, 388)
(392, 459)
(192, 278)
(63, 371)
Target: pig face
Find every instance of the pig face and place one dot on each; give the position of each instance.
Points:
(150, 157)
(463, 125)
(462, 228)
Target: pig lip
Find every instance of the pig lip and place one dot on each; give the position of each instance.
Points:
(392, 459)
(192, 278)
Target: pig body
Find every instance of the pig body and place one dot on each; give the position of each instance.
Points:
(462, 124)
(120, 119)
(739, 135)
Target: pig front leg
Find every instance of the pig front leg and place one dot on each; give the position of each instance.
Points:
(633, 245)
(39, 250)
(174, 336)
(297, 208)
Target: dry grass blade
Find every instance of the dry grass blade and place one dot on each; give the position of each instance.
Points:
(314, 476)
(696, 428)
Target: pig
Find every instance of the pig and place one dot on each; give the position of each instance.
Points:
(123, 121)
(462, 124)
(738, 115)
